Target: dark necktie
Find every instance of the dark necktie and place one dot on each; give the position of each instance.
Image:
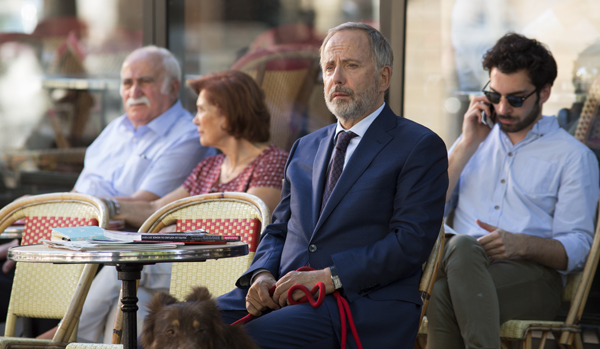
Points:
(337, 165)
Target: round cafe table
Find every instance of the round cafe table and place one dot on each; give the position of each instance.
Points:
(129, 264)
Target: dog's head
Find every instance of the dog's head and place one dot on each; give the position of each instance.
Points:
(195, 323)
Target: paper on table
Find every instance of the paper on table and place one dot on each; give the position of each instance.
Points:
(107, 245)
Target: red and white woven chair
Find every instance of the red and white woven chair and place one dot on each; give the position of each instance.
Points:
(43, 290)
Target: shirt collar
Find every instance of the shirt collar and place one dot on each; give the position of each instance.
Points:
(545, 125)
(160, 125)
(362, 126)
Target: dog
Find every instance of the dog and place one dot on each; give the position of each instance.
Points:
(195, 323)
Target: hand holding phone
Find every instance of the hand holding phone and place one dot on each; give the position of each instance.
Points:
(489, 120)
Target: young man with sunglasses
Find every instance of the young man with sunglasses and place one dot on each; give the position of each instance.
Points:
(523, 194)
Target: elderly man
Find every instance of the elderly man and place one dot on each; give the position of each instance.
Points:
(142, 155)
(365, 235)
(150, 150)
(524, 195)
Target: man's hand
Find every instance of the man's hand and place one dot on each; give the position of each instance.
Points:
(258, 298)
(474, 131)
(500, 244)
(8, 265)
(306, 278)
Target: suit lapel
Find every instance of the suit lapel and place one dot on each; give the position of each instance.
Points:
(370, 145)
(320, 164)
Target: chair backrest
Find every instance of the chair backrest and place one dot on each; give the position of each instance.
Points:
(430, 269)
(287, 74)
(579, 284)
(42, 290)
(588, 126)
(219, 213)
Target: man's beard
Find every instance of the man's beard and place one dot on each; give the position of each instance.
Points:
(357, 107)
(524, 123)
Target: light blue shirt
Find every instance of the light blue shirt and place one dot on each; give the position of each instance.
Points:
(157, 157)
(546, 186)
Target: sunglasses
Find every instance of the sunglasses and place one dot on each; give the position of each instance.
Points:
(515, 101)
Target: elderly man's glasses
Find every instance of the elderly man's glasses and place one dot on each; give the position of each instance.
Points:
(515, 101)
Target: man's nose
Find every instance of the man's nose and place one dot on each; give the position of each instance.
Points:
(136, 90)
(339, 76)
(503, 107)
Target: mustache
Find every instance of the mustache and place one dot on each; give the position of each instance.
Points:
(142, 100)
(506, 117)
(342, 89)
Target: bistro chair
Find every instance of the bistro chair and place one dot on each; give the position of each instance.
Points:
(287, 74)
(44, 290)
(227, 213)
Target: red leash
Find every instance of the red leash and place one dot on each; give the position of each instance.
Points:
(342, 303)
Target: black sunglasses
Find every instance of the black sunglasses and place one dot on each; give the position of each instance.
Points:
(515, 101)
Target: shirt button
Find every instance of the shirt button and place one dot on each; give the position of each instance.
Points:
(502, 181)
(509, 154)
(312, 248)
(496, 207)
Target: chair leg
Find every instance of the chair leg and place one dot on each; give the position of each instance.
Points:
(9, 329)
(577, 341)
(505, 344)
(543, 340)
(421, 342)
(527, 344)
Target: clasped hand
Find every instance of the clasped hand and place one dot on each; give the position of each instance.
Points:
(259, 299)
(499, 244)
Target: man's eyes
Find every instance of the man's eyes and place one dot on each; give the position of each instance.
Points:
(143, 82)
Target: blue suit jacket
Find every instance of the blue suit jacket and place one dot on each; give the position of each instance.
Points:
(377, 228)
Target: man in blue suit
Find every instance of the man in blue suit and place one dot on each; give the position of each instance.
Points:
(365, 234)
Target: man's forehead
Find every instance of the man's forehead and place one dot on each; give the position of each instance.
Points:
(509, 83)
(347, 44)
(141, 66)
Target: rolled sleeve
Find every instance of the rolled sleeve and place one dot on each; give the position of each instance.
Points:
(575, 210)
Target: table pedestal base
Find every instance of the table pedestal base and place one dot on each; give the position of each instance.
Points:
(129, 274)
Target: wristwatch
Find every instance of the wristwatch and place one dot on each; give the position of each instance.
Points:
(335, 278)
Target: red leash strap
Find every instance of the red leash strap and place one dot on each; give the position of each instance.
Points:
(342, 303)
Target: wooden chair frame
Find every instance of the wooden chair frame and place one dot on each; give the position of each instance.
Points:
(54, 204)
(430, 271)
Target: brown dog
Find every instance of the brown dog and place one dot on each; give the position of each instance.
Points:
(195, 323)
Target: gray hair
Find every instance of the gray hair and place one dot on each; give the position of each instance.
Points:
(170, 64)
(381, 50)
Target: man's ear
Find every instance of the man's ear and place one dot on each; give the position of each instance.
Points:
(385, 76)
(545, 93)
(174, 87)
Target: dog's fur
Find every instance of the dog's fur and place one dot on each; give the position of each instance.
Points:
(195, 323)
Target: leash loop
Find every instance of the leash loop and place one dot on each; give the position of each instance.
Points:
(342, 303)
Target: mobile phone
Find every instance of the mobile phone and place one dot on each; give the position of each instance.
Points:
(489, 120)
